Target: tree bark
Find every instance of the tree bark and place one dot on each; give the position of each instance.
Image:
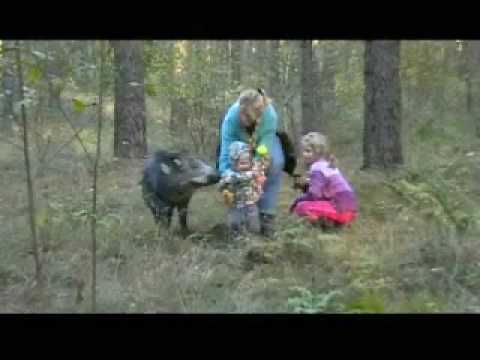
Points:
(129, 110)
(382, 146)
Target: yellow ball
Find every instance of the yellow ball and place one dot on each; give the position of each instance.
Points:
(262, 150)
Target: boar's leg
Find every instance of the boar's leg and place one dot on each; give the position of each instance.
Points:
(162, 211)
(163, 218)
(182, 214)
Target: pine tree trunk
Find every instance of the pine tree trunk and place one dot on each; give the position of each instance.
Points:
(129, 112)
(382, 146)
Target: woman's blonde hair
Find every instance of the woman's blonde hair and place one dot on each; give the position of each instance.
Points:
(319, 145)
(248, 97)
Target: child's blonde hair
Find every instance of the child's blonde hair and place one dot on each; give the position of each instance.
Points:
(317, 142)
(319, 145)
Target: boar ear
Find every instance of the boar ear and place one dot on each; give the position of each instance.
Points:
(165, 168)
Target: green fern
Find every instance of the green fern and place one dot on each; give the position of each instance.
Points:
(369, 302)
(435, 197)
(306, 302)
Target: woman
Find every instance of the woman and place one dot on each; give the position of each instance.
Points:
(253, 119)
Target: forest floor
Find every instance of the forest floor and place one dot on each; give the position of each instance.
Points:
(414, 248)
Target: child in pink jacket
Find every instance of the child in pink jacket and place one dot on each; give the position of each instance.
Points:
(328, 197)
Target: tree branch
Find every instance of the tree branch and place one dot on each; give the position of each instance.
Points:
(30, 188)
(68, 120)
(93, 217)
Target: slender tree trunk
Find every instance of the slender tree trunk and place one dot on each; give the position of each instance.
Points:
(310, 122)
(179, 107)
(463, 73)
(224, 50)
(274, 79)
(469, 100)
(56, 67)
(236, 61)
(95, 176)
(317, 91)
(129, 112)
(9, 88)
(245, 60)
(473, 84)
(325, 96)
(53, 74)
(30, 185)
(382, 146)
(171, 51)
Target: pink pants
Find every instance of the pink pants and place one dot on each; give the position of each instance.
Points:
(314, 210)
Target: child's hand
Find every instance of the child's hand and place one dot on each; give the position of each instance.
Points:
(261, 179)
(228, 197)
(266, 162)
(301, 183)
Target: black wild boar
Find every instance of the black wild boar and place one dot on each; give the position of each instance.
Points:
(169, 181)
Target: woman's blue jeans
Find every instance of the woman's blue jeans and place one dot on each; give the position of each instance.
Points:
(269, 199)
